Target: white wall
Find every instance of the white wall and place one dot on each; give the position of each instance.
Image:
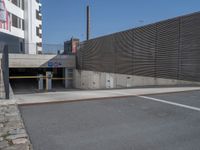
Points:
(14, 9)
(30, 34)
(14, 32)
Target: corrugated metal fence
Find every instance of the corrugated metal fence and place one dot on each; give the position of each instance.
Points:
(168, 49)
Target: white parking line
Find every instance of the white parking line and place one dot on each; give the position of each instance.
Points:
(171, 103)
(161, 101)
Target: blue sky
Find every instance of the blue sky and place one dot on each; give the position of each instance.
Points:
(63, 19)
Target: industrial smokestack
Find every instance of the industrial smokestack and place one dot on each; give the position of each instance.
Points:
(88, 22)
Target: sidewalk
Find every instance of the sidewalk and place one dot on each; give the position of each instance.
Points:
(68, 96)
(13, 135)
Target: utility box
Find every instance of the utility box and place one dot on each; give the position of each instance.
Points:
(109, 81)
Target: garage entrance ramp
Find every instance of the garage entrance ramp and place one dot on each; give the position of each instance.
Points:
(84, 95)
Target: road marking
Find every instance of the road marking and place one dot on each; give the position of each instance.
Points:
(162, 101)
(171, 103)
(121, 93)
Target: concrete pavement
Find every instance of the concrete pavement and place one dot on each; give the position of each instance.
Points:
(52, 97)
(116, 124)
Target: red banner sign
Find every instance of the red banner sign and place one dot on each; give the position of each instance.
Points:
(5, 22)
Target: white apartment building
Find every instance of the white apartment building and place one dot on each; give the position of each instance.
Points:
(21, 25)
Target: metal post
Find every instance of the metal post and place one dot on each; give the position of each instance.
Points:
(68, 75)
(40, 82)
(49, 81)
(5, 69)
(88, 22)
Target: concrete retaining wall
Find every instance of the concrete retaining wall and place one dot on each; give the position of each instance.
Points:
(101, 80)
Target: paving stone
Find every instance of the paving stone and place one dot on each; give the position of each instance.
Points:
(3, 132)
(2, 118)
(12, 109)
(12, 129)
(11, 114)
(13, 118)
(17, 131)
(20, 141)
(14, 124)
(1, 125)
(13, 137)
(18, 147)
(2, 112)
(3, 144)
(2, 108)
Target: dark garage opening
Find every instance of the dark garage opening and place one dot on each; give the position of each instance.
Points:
(30, 85)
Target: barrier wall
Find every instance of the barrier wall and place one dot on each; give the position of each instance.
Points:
(101, 80)
(168, 49)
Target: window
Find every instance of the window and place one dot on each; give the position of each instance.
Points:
(14, 21)
(40, 9)
(39, 44)
(23, 4)
(17, 22)
(15, 2)
(21, 47)
(23, 25)
(19, 3)
(38, 16)
(38, 32)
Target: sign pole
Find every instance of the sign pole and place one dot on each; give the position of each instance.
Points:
(6, 72)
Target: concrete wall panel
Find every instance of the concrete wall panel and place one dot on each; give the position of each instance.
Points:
(41, 61)
(101, 80)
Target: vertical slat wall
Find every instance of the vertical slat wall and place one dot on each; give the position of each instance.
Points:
(90, 55)
(108, 56)
(144, 51)
(168, 49)
(124, 52)
(190, 48)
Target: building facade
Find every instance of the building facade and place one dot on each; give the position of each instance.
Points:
(71, 46)
(21, 25)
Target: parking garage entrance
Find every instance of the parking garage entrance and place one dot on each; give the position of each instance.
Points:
(31, 80)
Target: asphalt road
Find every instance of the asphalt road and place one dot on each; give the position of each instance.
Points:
(132, 123)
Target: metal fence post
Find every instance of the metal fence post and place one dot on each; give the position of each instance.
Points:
(5, 69)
